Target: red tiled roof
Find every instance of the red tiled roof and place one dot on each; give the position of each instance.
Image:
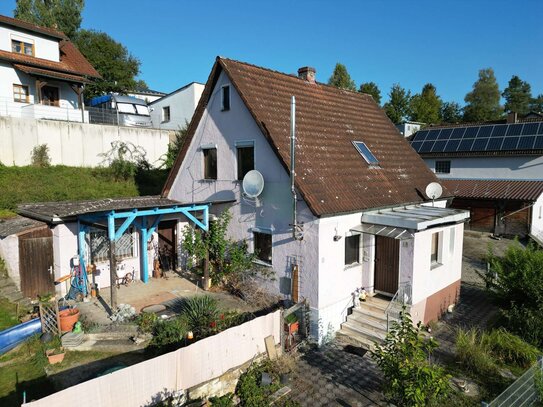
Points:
(331, 174)
(31, 27)
(50, 74)
(491, 189)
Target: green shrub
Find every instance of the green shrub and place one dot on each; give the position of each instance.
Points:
(40, 156)
(168, 333)
(473, 352)
(146, 321)
(409, 378)
(248, 389)
(201, 314)
(224, 401)
(511, 349)
(538, 383)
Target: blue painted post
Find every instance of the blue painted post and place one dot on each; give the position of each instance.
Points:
(112, 260)
(144, 257)
(81, 250)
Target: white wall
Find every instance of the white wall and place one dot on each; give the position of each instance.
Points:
(182, 104)
(44, 47)
(9, 251)
(74, 144)
(536, 228)
(518, 168)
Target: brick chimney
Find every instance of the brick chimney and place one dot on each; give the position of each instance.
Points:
(512, 117)
(308, 73)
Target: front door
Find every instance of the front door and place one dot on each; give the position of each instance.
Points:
(36, 266)
(167, 244)
(387, 261)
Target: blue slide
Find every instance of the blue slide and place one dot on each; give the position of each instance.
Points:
(11, 337)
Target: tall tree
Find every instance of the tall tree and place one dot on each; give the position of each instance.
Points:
(341, 79)
(517, 95)
(62, 15)
(451, 112)
(536, 104)
(397, 107)
(426, 106)
(372, 89)
(111, 59)
(483, 102)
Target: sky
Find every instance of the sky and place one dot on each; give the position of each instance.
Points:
(445, 42)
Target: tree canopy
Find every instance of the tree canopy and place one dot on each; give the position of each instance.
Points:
(517, 95)
(397, 108)
(426, 106)
(451, 112)
(536, 104)
(111, 59)
(372, 89)
(341, 79)
(483, 102)
(62, 15)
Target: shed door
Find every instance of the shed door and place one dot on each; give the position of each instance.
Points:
(387, 261)
(167, 244)
(36, 266)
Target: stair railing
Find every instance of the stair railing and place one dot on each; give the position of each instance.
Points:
(401, 298)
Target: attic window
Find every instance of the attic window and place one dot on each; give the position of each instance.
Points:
(225, 98)
(366, 153)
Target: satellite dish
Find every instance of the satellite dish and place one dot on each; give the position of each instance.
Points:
(433, 190)
(253, 184)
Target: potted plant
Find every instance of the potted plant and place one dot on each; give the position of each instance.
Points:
(55, 355)
(292, 322)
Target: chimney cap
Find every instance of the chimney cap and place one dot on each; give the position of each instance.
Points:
(305, 69)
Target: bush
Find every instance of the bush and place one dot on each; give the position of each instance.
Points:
(224, 401)
(473, 353)
(200, 314)
(511, 349)
(146, 321)
(409, 378)
(248, 389)
(40, 156)
(169, 333)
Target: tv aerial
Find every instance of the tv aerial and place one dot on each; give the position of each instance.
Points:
(252, 184)
(433, 190)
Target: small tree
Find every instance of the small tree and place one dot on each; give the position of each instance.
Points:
(397, 107)
(517, 95)
(426, 106)
(410, 379)
(175, 147)
(483, 102)
(40, 156)
(372, 89)
(451, 112)
(341, 79)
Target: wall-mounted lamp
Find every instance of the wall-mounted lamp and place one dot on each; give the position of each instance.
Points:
(337, 238)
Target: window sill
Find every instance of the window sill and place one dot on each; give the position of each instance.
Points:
(435, 265)
(352, 266)
(262, 263)
(208, 180)
(165, 121)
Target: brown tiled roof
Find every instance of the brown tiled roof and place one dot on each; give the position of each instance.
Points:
(331, 175)
(491, 189)
(31, 27)
(48, 73)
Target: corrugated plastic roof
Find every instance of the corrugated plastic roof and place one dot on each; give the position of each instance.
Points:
(331, 175)
(491, 189)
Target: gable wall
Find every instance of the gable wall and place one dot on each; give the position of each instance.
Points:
(272, 211)
(44, 47)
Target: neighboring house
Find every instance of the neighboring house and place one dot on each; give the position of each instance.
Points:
(42, 73)
(147, 94)
(494, 170)
(175, 109)
(358, 208)
(408, 128)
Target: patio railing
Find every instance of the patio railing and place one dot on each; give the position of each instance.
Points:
(401, 298)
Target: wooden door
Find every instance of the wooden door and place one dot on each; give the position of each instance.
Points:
(167, 246)
(36, 266)
(387, 264)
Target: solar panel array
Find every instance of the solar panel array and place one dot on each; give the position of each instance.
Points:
(495, 137)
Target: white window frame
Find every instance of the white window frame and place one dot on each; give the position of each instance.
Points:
(263, 231)
(439, 255)
(354, 263)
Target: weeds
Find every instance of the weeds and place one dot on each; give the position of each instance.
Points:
(40, 156)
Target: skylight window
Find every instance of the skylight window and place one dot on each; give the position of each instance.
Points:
(366, 153)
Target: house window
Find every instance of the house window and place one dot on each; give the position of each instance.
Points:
(49, 96)
(99, 245)
(434, 254)
(166, 114)
(246, 160)
(225, 97)
(22, 47)
(352, 249)
(210, 163)
(365, 152)
(20, 93)
(443, 167)
(263, 246)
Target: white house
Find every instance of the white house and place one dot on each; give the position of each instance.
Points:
(42, 74)
(147, 94)
(175, 109)
(360, 212)
(408, 128)
(495, 170)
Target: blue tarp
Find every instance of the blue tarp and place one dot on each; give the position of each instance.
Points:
(11, 337)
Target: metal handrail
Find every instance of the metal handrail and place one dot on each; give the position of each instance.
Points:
(401, 298)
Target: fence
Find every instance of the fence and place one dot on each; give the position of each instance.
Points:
(75, 144)
(65, 111)
(522, 393)
(174, 372)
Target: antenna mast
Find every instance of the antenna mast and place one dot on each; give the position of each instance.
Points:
(292, 166)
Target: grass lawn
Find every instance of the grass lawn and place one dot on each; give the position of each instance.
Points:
(8, 315)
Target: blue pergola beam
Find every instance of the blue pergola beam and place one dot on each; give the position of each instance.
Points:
(128, 221)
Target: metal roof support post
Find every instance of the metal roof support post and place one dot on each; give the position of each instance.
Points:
(82, 229)
(112, 260)
(144, 236)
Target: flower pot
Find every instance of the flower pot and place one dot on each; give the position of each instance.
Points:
(55, 357)
(293, 328)
(68, 318)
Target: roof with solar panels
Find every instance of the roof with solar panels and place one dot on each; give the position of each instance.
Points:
(468, 140)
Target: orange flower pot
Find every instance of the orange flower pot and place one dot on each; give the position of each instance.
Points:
(68, 318)
(54, 358)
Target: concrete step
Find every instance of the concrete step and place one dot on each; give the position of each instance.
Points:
(376, 306)
(374, 335)
(5, 282)
(356, 340)
(369, 313)
(365, 321)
